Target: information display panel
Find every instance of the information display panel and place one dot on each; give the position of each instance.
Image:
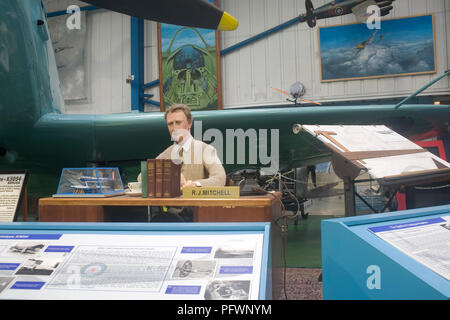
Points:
(12, 185)
(395, 255)
(426, 241)
(135, 261)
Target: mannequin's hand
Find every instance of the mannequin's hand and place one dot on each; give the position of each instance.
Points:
(189, 183)
(186, 183)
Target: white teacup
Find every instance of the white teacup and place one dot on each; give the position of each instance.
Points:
(135, 187)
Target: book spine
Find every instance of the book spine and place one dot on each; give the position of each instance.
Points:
(175, 178)
(151, 178)
(158, 178)
(167, 178)
(144, 180)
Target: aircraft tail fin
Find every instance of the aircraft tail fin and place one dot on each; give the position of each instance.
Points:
(29, 82)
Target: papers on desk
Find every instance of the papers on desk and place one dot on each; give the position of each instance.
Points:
(378, 150)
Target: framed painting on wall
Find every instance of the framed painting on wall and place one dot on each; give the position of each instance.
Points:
(189, 67)
(403, 46)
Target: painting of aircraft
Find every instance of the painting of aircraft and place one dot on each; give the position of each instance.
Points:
(402, 46)
(364, 44)
(36, 133)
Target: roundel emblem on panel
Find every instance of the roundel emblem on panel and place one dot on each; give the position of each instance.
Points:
(339, 11)
(93, 269)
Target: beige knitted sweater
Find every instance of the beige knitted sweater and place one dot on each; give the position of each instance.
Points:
(200, 163)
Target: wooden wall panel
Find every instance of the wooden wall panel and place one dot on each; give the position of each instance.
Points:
(293, 55)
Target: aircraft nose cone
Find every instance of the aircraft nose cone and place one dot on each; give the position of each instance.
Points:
(228, 22)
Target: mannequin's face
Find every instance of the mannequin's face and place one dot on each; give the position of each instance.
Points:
(178, 125)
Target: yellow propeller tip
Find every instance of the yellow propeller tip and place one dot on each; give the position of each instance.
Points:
(228, 22)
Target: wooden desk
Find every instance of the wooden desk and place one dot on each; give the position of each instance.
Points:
(244, 209)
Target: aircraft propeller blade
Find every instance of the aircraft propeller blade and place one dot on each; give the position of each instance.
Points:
(310, 101)
(190, 13)
(281, 91)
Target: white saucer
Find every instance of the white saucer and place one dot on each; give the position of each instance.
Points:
(133, 194)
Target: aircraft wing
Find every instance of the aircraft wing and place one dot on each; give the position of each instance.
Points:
(127, 137)
(360, 10)
(190, 13)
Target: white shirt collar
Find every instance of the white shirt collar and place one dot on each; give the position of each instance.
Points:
(186, 145)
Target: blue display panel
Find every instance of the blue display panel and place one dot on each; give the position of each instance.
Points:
(135, 261)
(397, 255)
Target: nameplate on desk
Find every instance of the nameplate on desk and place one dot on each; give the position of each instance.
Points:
(211, 192)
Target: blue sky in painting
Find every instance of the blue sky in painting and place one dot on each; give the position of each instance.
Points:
(399, 30)
(186, 36)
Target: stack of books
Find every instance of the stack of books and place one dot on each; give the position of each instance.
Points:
(163, 178)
